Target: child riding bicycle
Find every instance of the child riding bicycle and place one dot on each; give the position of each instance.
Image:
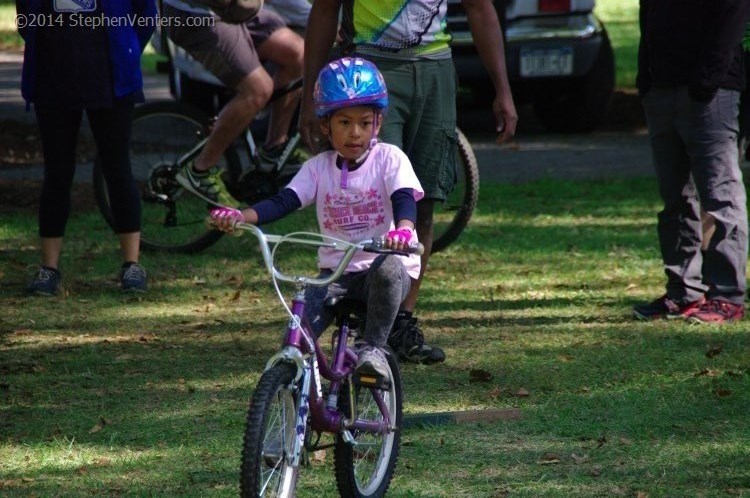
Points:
(362, 188)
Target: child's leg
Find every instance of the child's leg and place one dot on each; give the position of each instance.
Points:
(386, 286)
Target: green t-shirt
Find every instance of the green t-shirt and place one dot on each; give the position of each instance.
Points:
(408, 29)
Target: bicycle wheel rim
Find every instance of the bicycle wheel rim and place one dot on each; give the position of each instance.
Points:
(451, 216)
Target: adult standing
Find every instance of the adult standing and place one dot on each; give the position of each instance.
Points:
(407, 40)
(85, 58)
(690, 75)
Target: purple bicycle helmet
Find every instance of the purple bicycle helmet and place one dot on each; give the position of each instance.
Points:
(348, 82)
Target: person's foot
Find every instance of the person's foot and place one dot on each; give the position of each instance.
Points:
(46, 282)
(133, 278)
(407, 340)
(372, 361)
(205, 184)
(717, 311)
(664, 307)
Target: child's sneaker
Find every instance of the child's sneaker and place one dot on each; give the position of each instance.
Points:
(664, 307)
(717, 311)
(371, 361)
(46, 282)
(133, 278)
(207, 185)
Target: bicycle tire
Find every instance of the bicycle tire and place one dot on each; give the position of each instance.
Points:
(360, 473)
(172, 220)
(265, 470)
(452, 216)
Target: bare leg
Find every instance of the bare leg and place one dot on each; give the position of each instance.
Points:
(130, 246)
(51, 248)
(252, 95)
(285, 48)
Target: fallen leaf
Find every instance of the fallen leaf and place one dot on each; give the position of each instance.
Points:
(99, 426)
(478, 375)
(103, 462)
(723, 393)
(579, 459)
(625, 441)
(236, 296)
(521, 393)
(714, 350)
(707, 372)
(548, 459)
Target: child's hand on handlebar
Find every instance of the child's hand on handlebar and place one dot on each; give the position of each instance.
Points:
(399, 239)
(226, 218)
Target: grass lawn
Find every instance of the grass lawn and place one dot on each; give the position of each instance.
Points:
(106, 395)
(621, 20)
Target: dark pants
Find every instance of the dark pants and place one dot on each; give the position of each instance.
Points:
(383, 287)
(694, 147)
(111, 128)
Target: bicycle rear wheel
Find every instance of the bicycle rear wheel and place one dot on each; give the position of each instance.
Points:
(365, 468)
(451, 216)
(173, 219)
(269, 436)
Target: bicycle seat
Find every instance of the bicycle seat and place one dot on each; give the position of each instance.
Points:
(345, 307)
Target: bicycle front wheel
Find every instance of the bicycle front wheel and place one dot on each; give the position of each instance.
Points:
(451, 216)
(269, 436)
(163, 136)
(365, 467)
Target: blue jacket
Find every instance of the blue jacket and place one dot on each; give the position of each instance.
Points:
(126, 43)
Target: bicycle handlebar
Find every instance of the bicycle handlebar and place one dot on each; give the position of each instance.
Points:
(319, 240)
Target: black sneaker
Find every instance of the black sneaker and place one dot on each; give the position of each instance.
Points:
(133, 278)
(407, 340)
(664, 307)
(46, 282)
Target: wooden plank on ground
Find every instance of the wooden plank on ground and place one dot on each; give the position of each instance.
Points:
(463, 417)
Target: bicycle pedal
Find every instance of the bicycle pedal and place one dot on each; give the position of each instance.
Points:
(371, 380)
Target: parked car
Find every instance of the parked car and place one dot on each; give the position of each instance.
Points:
(558, 55)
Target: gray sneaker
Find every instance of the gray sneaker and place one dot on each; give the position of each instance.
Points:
(207, 185)
(133, 278)
(372, 361)
(46, 282)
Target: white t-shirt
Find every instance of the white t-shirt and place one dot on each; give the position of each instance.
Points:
(363, 209)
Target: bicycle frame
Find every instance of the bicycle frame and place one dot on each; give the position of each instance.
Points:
(303, 350)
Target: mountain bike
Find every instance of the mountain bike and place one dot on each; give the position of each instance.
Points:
(168, 134)
(292, 406)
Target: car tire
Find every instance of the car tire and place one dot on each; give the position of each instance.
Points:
(584, 105)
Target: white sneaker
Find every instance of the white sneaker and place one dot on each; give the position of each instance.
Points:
(372, 361)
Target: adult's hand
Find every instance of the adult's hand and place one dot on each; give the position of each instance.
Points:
(506, 118)
(309, 128)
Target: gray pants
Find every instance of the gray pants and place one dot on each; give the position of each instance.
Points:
(382, 288)
(695, 153)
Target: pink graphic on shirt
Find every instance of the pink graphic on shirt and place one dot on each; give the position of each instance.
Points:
(353, 213)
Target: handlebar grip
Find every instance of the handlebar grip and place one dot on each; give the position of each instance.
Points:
(211, 225)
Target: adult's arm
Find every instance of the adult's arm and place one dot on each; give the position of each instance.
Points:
(320, 35)
(488, 39)
(724, 28)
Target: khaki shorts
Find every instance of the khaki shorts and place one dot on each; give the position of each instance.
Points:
(227, 50)
(421, 119)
